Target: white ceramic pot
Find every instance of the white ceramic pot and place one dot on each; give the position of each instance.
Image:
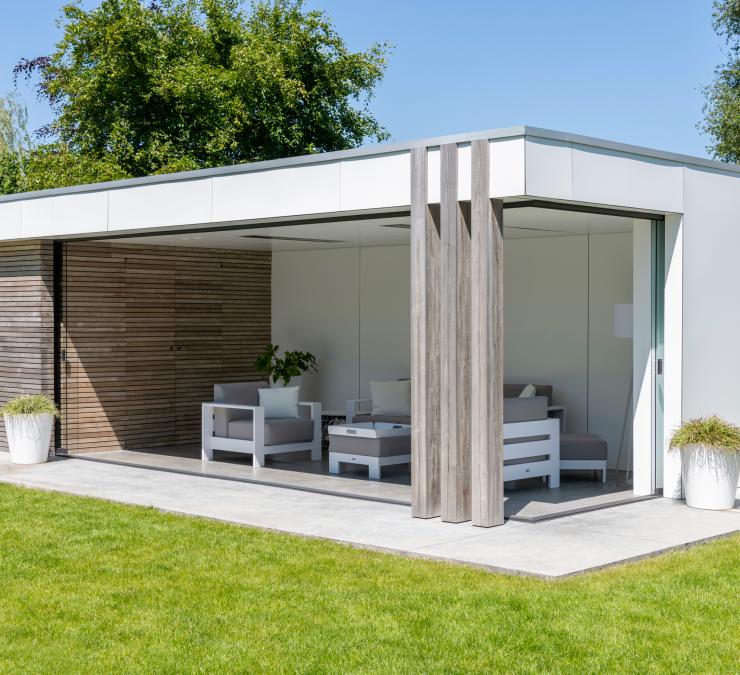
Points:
(29, 437)
(709, 477)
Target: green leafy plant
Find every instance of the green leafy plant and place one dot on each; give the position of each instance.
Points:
(32, 404)
(712, 432)
(291, 365)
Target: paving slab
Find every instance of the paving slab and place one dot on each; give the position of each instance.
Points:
(552, 548)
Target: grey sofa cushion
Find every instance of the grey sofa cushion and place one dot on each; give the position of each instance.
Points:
(239, 393)
(582, 446)
(388, 446)
(392, 419)
(278, 431)
(513, 390)
(525, 409)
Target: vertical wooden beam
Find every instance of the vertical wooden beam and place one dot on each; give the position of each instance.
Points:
(454, 346)
(425, 381)
(487, 344)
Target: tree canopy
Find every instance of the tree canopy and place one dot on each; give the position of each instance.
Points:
(722, 108)
(139, 88)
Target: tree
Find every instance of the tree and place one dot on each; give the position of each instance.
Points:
(15, 142)
(722, 107)
(141, 88)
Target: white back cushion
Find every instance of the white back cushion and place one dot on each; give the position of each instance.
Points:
(528, 392)
(391, 398)
(279, 402)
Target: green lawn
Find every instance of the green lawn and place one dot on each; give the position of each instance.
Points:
(90, 586)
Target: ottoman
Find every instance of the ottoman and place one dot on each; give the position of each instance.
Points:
(583, 451)
(373, 444)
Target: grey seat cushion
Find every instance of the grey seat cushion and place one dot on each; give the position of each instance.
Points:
(392, 419)
(388, 446)
(278, 431)
(513, 390)
(582, 446)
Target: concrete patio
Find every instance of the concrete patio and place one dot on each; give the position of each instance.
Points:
(552, 548)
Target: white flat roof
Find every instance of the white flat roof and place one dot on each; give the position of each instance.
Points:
(381, 149)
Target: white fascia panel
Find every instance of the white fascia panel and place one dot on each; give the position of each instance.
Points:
(180, 203)
(434, 175)
(10, 220)
(38, 217)
(604, 176)
(507, 167)
(276, 193)
(86, 212)
(464, 171)
(549, 166)
(376, 182)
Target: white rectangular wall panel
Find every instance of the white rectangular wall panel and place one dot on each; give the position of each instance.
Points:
(276, 193)
(160, 205)
(86, 212)
(375, 182)
(10, 220)
(549, 167)
(602, 176)
(38, 217)
(507, 167)
(711, 287)
(433, 175)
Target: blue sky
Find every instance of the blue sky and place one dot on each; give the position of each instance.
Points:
(626, 70)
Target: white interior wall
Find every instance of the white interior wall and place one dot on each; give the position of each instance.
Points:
(559, 297)
(350, 308)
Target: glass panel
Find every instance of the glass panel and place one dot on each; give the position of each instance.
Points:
(658, 301)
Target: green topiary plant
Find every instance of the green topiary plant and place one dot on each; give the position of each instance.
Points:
(291, 365)
(713, 432)
(31, 404)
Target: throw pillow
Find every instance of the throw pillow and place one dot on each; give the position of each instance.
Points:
(279, 401)
(391, 398)
(530, 391)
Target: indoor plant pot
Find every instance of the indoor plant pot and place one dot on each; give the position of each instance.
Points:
(28, 424)
(710, 462)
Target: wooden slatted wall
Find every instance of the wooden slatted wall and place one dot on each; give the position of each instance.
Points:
(148, 331)
(26, 321)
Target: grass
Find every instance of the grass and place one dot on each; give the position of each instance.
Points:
(91, 586)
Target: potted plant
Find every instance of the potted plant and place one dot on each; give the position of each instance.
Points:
(28, 424)
(710, 461)
(282, 370)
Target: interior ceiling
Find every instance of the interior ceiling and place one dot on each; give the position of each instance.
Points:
(392, 231)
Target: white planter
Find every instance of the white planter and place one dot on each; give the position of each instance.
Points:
(709, 477)
(29, 437)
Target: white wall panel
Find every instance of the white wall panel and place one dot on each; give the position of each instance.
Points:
(549, 167)
(603, 176)
(711, 289)
(507, 167)
(277, 193)
(464, 171)
(546, 318)
(384, 314)
(86, 212)
(164, 204)
(376, 182)
(434, 169)
(38, 217)
(315, 308)
(10, 220)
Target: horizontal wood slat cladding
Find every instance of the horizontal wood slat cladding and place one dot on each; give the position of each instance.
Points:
(26, 321)
(148, 331)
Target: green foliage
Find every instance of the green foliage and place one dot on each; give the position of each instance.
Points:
(31, 404)
(722, 107)
(140, 88)
(711, 432)
(90, 586)
(291, 365)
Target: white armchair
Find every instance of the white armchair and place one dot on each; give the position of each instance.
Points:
(235, 422)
